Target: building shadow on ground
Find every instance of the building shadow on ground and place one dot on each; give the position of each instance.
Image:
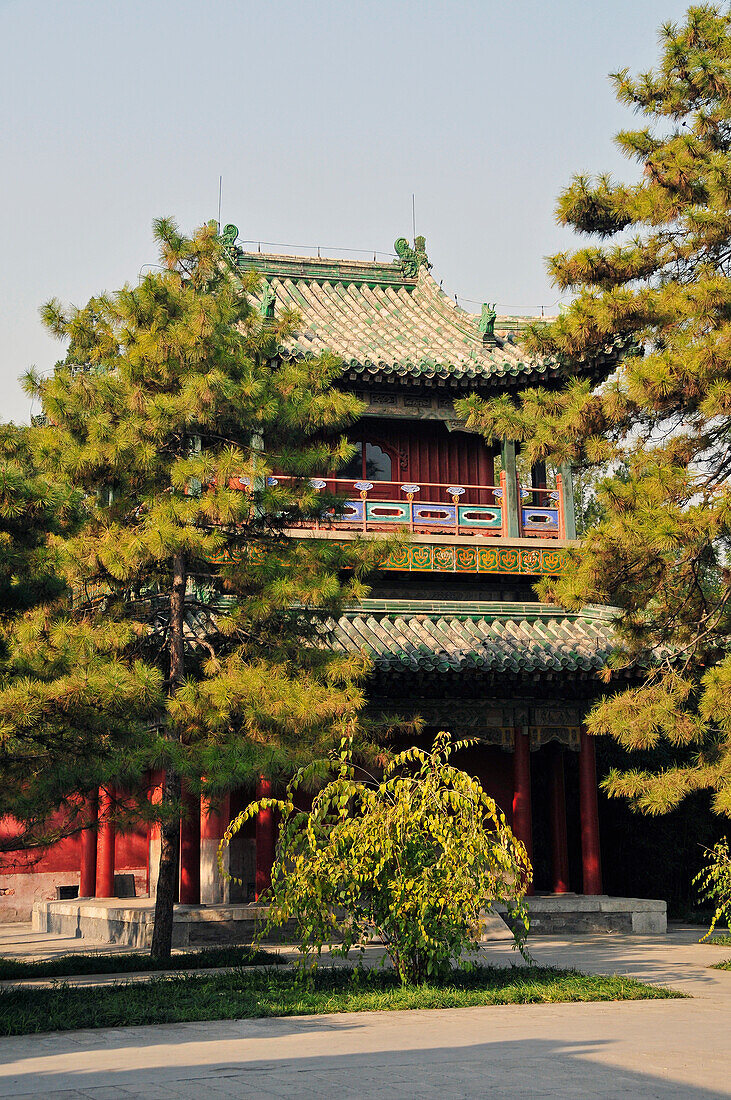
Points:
(526, 1067)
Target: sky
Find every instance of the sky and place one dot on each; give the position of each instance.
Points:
(322, 118)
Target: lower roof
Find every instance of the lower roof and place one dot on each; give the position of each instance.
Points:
(440, 636)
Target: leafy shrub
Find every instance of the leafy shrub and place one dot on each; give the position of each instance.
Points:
(714, 883)
(414, 858)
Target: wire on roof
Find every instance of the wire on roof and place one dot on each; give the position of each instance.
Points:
(318, 247)
(508, 305)
(391, 256)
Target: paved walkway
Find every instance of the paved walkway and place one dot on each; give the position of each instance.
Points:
(669, 1049)
(19, 941)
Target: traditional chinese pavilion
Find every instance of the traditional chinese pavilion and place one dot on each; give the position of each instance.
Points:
(452, 624)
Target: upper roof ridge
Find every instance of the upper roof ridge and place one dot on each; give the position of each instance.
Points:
(325, 269)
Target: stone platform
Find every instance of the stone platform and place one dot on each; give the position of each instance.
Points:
(130, 921)
(556, 914)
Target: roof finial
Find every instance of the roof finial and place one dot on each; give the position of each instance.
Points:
(228, 240)
(229, 234)
(412, 258)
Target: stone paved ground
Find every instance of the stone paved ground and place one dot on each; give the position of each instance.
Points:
(19, 941)
(677, 1049)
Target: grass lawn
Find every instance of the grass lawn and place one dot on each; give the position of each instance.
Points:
(241, 994)
(66, 965)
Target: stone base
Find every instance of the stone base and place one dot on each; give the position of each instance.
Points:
(21, 890)
(556, 914)
(131, 922)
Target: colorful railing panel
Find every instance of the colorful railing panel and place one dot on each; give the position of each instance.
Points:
(539, 520)
(433, 514)
(480, 510)
(388, 511)
(481, 516)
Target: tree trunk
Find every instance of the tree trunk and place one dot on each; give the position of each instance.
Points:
(167, 882)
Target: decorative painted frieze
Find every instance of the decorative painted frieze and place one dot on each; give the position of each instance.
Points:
(437, 558)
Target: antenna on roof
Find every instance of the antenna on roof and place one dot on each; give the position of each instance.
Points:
(220, 188)
(413, 216)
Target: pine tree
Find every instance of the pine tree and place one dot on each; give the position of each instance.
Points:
(68, 699)
(31, 509)
(643, 356)
(172, 411)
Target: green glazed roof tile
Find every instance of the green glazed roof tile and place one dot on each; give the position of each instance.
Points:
(384, 323)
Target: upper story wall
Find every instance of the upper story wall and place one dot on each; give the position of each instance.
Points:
(425, 452)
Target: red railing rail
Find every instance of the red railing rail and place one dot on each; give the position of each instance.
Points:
(383, 488)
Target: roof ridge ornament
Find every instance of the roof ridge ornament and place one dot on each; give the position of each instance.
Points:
(268, 301)
(227, 237)
(487, 322)
(412, 258)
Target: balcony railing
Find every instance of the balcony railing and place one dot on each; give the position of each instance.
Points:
(437, 508)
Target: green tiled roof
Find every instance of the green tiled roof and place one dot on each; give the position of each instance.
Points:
(390, 325)
(416, 636)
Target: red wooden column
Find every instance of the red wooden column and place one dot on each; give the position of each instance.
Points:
(105, 846)
(264, 840)
(214, 820)
(190, 849)
(87, 878)
(559, 842)
(153, 834)
(522, 823)
(590, 851)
